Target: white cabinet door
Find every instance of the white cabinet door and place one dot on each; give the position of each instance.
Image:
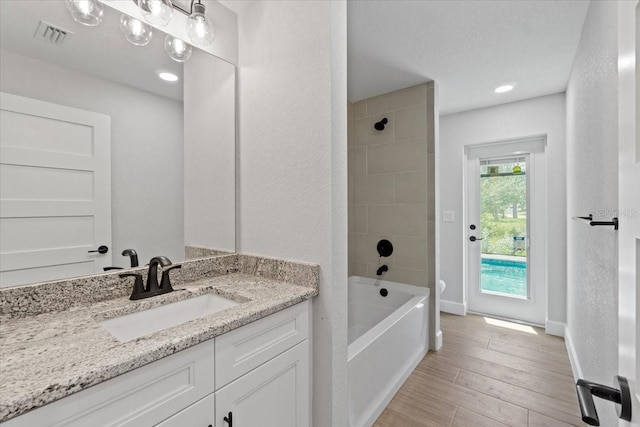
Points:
(274, 395)
(55, 191)
(200, 414)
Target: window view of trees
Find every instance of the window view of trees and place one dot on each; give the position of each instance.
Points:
(503, 204)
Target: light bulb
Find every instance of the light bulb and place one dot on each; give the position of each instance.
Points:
(177, 49)
(136, 32)
(199, 27)
(156, 12)
(86, 12)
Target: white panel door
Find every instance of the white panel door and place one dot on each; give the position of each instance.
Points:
(55, 191)
(274, 395)
(629, 200)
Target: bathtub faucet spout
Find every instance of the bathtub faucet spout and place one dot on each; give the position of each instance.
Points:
(382, 269)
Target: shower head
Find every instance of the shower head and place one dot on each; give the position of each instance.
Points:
(380, 125)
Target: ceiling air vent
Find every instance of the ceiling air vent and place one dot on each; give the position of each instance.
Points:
(52, 34)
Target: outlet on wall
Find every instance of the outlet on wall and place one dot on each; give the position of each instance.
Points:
(448, 216)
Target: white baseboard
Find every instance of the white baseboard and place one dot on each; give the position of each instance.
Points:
(573, 355)
(453, 307)
(554, 328)
(438, 340)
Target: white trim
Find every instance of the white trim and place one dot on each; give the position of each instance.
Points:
(532, 144)
(453, 307)
(438, 340)
(554, 328)
(573, 355)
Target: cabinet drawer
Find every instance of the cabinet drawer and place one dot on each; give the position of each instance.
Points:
(200, 414)
(248, 347)
(142, 397)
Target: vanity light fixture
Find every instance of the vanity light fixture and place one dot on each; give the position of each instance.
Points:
(168, 77)
(177, 49)
(86, 12)
(136, 32)
(156, 12)
(199, 26)
(504, 88)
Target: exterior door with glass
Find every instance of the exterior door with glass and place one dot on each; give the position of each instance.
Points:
(505, 262)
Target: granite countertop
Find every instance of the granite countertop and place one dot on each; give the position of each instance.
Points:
(48, 356)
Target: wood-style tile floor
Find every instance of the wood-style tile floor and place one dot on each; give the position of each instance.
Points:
(499, 374)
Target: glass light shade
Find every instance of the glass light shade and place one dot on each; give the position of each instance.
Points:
(156, 12)
(136, 32)
(86, 12)
(199, 27)
(177, 49)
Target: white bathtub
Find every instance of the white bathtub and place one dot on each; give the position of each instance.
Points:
(388, 336)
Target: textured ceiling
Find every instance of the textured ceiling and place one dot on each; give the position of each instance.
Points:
(468, 47)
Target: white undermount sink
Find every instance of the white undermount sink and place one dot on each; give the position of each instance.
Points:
(135, 325)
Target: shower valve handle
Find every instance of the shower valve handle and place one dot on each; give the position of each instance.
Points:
(474, 238)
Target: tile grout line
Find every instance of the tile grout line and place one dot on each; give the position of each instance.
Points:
(506, 401)
(453, 418)
(500, 399)
(456, 377)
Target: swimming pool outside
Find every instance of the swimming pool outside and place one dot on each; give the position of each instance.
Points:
(504, 275)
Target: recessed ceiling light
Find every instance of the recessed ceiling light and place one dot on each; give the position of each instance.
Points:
(503, 89)
(168, 77)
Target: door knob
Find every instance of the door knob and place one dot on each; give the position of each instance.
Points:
(474, 238)
(621, 397)
(101, 250)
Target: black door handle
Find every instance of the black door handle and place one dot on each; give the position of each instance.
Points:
(474, 238)
(622, 397)
(229, 419)
(101, 250)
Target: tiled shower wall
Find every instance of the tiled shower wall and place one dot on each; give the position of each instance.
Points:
(391, 185)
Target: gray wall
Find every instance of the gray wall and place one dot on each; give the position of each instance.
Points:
(293, 165)
(146, 150)
(592, 183)
(537, 116)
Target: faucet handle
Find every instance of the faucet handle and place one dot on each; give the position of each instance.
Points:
(138, 287)
(165, 282)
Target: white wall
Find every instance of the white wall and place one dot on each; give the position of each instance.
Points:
(146, 150)
(293, 165)
(592, 187)
(209, 152)
(537, 116)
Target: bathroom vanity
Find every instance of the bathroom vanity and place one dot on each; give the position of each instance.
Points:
(244, 365)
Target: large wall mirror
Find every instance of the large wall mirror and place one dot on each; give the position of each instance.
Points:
(107, 146)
